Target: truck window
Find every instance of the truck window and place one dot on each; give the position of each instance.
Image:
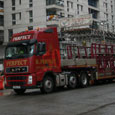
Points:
(19, 51)
(41, 48)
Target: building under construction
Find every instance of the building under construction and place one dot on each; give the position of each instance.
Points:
(87, 36)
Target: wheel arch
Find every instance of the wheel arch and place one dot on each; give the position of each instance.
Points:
(51, 74)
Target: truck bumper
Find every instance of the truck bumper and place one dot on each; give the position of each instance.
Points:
(21, 87)
(38, 85)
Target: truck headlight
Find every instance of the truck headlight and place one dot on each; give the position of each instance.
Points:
(30, 79)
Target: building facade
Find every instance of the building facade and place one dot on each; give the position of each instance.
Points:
(1, 21)
(1, 33)
(30, 14)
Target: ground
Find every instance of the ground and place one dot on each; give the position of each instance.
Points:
(94, 100)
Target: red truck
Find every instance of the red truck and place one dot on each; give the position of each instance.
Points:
(43, 59)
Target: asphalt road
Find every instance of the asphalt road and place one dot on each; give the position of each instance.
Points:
(94, 100)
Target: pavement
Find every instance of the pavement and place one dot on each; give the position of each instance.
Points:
(94, 100)
(6, 92)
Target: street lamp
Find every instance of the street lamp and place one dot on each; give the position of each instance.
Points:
(103, 23)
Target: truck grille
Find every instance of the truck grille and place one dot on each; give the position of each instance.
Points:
(21, 80)
(16, 83)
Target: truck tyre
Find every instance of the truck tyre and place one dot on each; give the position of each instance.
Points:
(72, 81)
(19, 91)
(83, 79)
(48, 85)
(110, 80)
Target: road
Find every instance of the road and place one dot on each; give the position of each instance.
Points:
(94, 100)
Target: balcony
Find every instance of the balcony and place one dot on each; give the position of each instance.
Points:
(55, 4)
(94, 13)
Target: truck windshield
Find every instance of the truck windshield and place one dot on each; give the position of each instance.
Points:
(20, 51)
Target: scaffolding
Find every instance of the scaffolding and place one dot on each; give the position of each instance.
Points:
(83, 37)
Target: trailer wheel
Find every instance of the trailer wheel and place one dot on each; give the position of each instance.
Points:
(84, 80)
(48, 85)
(72, 82)
(19, 91)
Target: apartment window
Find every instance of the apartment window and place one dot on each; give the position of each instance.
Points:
(113, 28)
(72, 5)
(105, 5)
(93, 3)
(1, 20)
(13, 19)
(111, 8)
(20, 1)
(106, 16)
(50, 2)
(67, 3)
(107, 27)
(10, 33)
(30, 3)
(77, 8)
(1, 36)
(30, 16)
(1, 4)
(112, 17)
(13, 16)
(81, 8)
(13, 8)
(94, 13)
(31, 20)
(20, 16)
(13, 22)
(13, 2)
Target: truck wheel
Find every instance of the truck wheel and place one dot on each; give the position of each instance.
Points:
(48, 85)
(72, 82)
(83, 80)
(19, 91)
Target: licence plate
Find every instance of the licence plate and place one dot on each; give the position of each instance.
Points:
(16, 87)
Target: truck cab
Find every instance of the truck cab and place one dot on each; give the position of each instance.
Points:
(29, 57)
